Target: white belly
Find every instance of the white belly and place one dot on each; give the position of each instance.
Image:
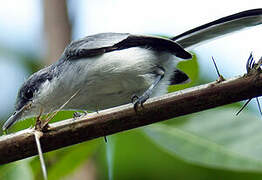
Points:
(112, 78)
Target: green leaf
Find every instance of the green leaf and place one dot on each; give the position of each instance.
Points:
(215, 138)
(70, 158)
(18, 170)
(63, 162)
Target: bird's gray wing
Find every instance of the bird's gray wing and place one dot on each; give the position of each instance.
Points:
(219, 27)
(106, 42)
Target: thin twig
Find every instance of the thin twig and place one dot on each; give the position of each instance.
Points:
(49, 118)
(38, 135)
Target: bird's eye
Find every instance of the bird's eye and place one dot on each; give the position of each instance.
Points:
(29, 94)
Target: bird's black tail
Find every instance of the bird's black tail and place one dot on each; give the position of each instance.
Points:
(219, 28)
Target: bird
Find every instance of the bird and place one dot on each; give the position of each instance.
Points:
(110, 69)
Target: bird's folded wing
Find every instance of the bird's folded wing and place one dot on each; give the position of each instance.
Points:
(106, 42)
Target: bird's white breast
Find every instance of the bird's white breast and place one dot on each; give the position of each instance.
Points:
(112, 78)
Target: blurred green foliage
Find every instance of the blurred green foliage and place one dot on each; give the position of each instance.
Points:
(61, 163)
(221, 141)
(136, 157)
(16, 170)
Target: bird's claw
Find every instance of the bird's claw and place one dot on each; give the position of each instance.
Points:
(134, 98)
(139, 100)
(79, 114)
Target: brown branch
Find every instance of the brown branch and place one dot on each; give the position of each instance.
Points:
(22, 144)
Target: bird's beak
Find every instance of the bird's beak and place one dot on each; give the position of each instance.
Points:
(16, 116)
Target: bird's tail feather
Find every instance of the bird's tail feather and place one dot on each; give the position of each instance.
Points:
(219, 28)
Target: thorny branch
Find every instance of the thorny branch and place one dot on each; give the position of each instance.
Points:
(60, 134)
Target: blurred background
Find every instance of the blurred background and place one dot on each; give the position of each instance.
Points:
(211, 144)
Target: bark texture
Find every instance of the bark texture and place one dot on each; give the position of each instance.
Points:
(22, 144)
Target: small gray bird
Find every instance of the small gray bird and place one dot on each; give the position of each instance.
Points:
(108, 69)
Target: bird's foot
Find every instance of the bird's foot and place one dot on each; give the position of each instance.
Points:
(79, 114)
(41, 123)
(139, 100)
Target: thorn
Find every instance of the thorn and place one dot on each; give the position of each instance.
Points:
(38, 135)
(220, 77)
(243, 107)
(259, 63)
(259, 107)
(105, 139)
(216, 66)
(249, 62)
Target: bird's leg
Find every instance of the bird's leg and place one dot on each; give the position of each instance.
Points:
(139, 100)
